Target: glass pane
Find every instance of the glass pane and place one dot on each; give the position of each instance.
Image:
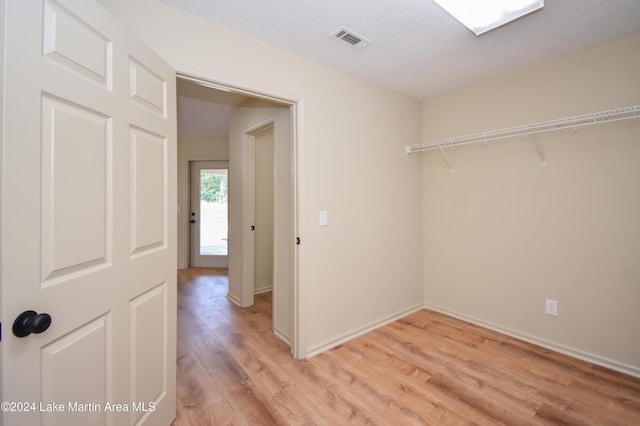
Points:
(213, 212)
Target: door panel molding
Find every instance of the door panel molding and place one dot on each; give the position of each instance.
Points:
(92, 341)
(63, 31)
(148, 186)
(75, 240)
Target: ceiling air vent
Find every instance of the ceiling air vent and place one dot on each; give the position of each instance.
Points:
(350, 38)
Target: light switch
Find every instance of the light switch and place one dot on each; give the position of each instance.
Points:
(324, 218)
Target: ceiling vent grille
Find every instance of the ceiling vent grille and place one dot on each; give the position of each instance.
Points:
(351, 38)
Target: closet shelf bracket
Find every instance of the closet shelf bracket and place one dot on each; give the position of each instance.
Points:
(536, 144)
(446, 159)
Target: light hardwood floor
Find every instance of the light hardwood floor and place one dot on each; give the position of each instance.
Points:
(426, 369)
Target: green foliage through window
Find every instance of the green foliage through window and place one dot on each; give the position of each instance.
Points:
(213, 187)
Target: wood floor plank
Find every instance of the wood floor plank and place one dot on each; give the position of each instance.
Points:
(391, 393)
(424, 369)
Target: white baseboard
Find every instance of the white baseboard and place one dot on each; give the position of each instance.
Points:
(234, 300)
(332, 343)
(260, 290)
(282, 336)
(557, 347)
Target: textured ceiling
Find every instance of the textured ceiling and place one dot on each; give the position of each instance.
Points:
(418, 49)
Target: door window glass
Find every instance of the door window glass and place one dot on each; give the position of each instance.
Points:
(214, 225)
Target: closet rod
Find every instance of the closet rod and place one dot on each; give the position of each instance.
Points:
(632, 112)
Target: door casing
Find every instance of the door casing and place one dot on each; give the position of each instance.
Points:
(296, 104)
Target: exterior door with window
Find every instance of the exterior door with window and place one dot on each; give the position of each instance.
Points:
(209, 214)
(88, 220)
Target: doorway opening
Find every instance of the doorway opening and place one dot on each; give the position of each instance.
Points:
(240, 109)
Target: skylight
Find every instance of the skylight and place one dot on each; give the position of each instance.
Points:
(481, 16)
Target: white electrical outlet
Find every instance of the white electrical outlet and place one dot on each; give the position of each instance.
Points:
(551, 307)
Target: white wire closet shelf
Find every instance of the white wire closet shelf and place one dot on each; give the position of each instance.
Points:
(627, 113)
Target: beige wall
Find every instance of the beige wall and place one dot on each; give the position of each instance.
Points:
(502, 232)
(365, 267)
(192, 150)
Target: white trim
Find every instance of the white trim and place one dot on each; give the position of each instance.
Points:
(259, 290)
(557, 347)
(233, 300)
(280, 335)
(248, 219)
(299, 294)
(338, 340)
(225, 83)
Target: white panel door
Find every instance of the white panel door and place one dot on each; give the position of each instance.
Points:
(88, 220)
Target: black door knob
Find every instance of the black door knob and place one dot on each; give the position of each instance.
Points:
(30, 322)
(193, 221)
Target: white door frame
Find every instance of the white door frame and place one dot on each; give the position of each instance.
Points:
(184, 203)
(296, 108)
(195, 258)
(250, 217)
